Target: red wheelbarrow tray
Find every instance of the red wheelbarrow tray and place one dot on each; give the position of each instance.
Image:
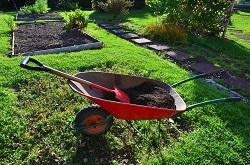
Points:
(121, 110)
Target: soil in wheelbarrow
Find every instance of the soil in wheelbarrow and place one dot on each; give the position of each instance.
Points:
(149, 94)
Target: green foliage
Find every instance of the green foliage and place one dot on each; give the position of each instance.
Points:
(68, 5)
(40, 6)
(76, 20)
(167, 32)
(116, 7)
(10, 23)
(158, 6)
(201, 17)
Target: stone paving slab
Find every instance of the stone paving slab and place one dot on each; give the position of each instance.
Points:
(141, 41)
(159, 47)
(110, 27)
(205, 67)
(119, 31)
(180, 56)
(129, 36)
(237, 81)
(104, 24)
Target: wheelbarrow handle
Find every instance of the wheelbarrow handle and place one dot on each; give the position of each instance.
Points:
(40, 67)
(203, 75)
(230, 99)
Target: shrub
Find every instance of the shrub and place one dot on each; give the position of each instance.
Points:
(68, 5)
(11, 23)
(76, 20)
(159, 6)
(202, 17)
(116, 7)
(166, 32)
(40, 6)
(95, 5)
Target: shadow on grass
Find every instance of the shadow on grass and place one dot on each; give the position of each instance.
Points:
(99, 150)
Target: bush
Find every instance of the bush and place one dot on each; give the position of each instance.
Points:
(40, 6)
(76, 20)
(68, 5)
(166, 32)
(11, 23)
(159, 6)
(202, 17)
(116, 7)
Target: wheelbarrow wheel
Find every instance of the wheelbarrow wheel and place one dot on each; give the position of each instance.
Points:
(93, 114)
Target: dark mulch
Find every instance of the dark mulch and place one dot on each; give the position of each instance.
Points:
(43, 36)
(45, 16)
(148, 94)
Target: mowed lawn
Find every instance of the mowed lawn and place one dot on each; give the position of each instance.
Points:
(36, 110)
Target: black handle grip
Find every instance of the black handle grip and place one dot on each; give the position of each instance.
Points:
(233, 99)
(24, 64)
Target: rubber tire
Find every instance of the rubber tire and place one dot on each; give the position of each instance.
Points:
(91, 111)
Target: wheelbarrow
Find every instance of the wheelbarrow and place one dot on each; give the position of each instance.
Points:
(98, 118)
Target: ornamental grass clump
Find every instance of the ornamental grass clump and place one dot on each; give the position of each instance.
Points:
(76, 21)
(116, 7)
(166, 32)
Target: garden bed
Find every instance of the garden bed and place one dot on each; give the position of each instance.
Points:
(45, 16)
(49, 37)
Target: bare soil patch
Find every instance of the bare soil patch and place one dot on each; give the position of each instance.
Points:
(46, 35)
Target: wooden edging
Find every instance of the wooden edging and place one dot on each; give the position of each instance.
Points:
(66, 49)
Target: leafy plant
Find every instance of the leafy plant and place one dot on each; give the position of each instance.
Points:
(76, 20)
(200, 17)
(10, 23)
(40, 6)
(166, 32)
(116, 7)
(158, 6)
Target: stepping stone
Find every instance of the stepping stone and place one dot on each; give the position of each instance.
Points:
(236, 81)
(110, 27)
(141, 41)
(180, 56)
(119, 31)
(104, 24)
(129, 36)
(159, 47)
(205, 67)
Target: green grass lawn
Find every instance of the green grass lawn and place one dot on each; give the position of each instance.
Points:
(232, 55)
(36, 109)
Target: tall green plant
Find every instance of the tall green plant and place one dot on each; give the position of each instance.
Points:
(10, 23)
(40, 6)
(76, 20)
(202, 17)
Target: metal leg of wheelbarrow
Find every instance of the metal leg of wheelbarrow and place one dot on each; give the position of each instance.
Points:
(145, 138)
(138, 132)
